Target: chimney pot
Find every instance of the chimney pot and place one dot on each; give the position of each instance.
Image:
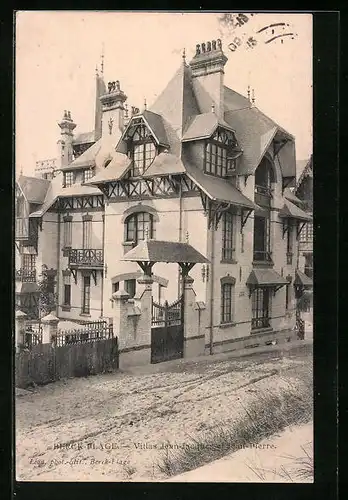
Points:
(214, 44)
(198, 49)
(203, 47)
(208, 46)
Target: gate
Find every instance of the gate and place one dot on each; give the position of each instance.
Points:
(167, 331)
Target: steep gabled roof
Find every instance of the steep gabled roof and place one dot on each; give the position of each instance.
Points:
(176, 104)
(203, 126)
(87, 159)
(114, 170)
(156, 124)
(217, 188)
(84, 138)
(305, 169)
(165, 164)
(33, 188)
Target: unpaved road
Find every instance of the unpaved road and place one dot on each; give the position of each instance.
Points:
(115, 427)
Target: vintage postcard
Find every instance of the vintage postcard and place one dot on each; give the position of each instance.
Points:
(163, 247)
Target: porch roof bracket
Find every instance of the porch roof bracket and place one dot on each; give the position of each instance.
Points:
(186, 267)
(245, 213)
(300, 226)
(74, 273)
(146, 267)
(94, 274)
(285, 227)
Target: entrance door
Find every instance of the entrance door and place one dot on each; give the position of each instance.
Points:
(167, 331)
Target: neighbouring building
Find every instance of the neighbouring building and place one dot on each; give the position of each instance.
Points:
(203, 164)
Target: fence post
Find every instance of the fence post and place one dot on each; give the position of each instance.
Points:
(49, 328)
(120, 315)
(20, 319)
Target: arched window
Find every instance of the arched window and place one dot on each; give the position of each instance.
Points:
(219, 153)
(141, 147)
(138, 226)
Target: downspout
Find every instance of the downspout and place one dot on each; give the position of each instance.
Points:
(103, 270)
(180, 234)
(58, 264)
(211, 277)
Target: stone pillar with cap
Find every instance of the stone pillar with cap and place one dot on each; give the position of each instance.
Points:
(133, 331)
(120, 320)
(194, 322)
(49, 328)
(20, 319)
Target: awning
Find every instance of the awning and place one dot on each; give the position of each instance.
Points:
(291, 211)
(148, 252)
(217, 188)
(302, 280)
(164, 251)
(268, 278)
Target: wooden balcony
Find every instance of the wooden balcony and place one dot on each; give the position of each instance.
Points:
(264, 256)
(26, 275)
(263, 196)
(86, 258)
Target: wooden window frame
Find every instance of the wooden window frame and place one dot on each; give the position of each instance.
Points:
(134, 219)
(86, 295)
(216, 154)
(261, 308)
(69, 175)
(227, 292)
(228, 237)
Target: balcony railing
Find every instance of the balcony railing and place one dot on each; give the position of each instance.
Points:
(86, 257)
(263, 195)
(26, 275)
(257, 323)
(262, 256)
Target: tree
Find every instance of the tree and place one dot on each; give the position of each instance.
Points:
(47, 295)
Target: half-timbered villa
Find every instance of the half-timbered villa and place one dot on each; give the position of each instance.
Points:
(202, 165)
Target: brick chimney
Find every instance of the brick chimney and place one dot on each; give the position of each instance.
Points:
(208, 72)
(113, 109)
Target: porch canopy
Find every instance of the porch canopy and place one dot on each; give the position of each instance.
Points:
(291, 211)
(302, 280)
(148, 252)
(265, 278)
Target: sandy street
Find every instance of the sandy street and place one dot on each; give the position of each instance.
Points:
(116, 427)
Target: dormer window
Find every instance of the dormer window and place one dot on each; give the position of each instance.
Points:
(141, 147)
(219, 157)
(69, 179)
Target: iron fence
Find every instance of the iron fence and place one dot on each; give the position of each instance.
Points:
(99, 330)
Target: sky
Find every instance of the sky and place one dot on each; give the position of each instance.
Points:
(57, 53)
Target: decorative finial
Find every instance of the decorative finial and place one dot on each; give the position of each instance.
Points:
(184, 55)
(21, 171)
(96, 70)
(248, 92)
(145, 105)
(213, 108)
(187, 237)
(102, 60)
(253, 96)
